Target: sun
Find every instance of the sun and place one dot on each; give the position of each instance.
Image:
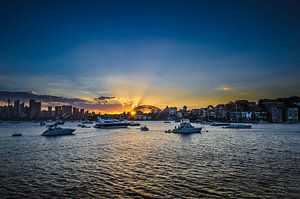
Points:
(132, 113)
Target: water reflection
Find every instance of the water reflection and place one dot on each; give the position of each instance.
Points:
(129, 163)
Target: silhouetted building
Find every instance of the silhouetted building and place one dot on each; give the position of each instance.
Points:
(66, 111)
(22, 110)
(75, 114)
(276, 114)
(58, 111)
(221, 112)
(81, 112)
(50, 112)
(292, 114)
(35, 109)
(16, 108)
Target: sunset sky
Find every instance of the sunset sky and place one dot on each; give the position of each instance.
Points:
(112, 55)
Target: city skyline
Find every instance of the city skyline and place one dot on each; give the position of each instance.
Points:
(20, 104)
(101, 102)
(277, 110)
(112, 55)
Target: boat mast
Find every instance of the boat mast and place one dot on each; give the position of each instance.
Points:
(236, 113)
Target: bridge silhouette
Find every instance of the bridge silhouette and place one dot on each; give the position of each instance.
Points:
(143, 107)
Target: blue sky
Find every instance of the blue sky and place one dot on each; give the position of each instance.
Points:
(154, 52)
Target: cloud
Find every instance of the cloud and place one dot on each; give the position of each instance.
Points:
(104, 99)
(25, 96)
(224, 88)
(102, 103)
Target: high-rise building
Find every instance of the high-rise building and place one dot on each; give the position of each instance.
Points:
(21, 109)
(276, 114)
(16, 108)
(35, 109)
(292, 114)
(66, 111)
(58, 111)
(49, 112)
(75, 113)
(81, 111)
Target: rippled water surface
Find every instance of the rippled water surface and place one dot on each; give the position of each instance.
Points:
(127, 163)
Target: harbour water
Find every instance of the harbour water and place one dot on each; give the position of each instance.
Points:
(95, 163)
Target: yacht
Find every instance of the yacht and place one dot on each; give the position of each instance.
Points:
(53, 130)
(238, 126)
(59, 122)
(84, 126)
(219, 124)
(87, 122)
(112, 124)
(185, 127)
(135, 124)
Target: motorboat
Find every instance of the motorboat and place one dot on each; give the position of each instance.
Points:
(185, 127)
(135, 124)
(238, 126)
(87, 122)
(84, 126)
(219, 124)
(112, 124)
(59, 122)
(144, 128)
(53, 130)
(42, 123)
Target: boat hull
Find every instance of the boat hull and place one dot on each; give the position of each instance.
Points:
(16, 134)
(188, 130)
(238, 127)
(58, 132)
(144, 128)
(110, 126)
(219, 124)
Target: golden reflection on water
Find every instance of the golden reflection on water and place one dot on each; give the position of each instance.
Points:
(128, 163)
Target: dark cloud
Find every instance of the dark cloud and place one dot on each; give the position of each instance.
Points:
(104, 99)
(25, 96)
(102, 103)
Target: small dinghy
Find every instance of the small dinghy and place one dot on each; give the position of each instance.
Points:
(16, 134)
(144, 128)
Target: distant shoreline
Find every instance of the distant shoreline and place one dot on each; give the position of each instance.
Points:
(172, 121)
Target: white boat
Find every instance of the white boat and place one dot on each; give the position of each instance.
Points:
(219, 124)
(112, 124)
(59, 122)
(185, 127)
(238, 126)
(87, 122)
(135, 124)
(84, 126)
(53, 130)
